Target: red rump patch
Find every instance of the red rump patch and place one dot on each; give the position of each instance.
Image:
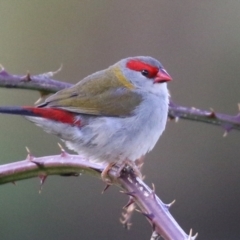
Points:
(137, 65)
(55, 114)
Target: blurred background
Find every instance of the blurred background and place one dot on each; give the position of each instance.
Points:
(198, 43)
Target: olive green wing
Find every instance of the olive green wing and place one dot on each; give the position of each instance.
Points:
(99, 94)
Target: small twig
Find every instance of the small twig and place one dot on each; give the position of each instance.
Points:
(227, 122)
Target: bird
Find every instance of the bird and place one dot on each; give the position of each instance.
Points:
(112, 116)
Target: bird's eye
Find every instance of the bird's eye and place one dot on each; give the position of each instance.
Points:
(145, 72)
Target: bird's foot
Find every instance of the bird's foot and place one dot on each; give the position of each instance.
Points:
(125, 165)
(104, 174)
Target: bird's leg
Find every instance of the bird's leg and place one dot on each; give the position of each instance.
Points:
(132, 165)
(104, 174)
(136, 167)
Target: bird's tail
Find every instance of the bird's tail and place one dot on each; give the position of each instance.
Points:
(54, 114)
(24, 111)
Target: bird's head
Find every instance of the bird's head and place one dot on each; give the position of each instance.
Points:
(145, 73)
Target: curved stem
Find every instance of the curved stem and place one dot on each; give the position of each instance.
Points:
(150, 205)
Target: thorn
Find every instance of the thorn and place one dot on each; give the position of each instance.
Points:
(153, 191)
(42, 177)
(2, 68)
(27, 77)
(105, 188)
(170, 204)
(14, 183)
(228, 127)
(191, 237)
(130, 202)
(153, 187)
(51, 74)
(39, 164)
(63, 152)
(61, 148)
(155, 236)
(57, 71)
(28, 151)
(195, 236)
(3, 72)
(149, 216)
(29, 156)
(212, 113)
(225, 133)
(153, 227)
(190, 234)
(131, 194)
(38, 101)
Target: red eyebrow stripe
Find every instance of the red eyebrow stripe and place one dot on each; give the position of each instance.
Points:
(137, 65)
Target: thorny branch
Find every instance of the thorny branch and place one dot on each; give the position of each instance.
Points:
(45, 85)
(156, 212)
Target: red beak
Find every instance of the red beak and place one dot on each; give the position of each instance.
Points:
(162, 76)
